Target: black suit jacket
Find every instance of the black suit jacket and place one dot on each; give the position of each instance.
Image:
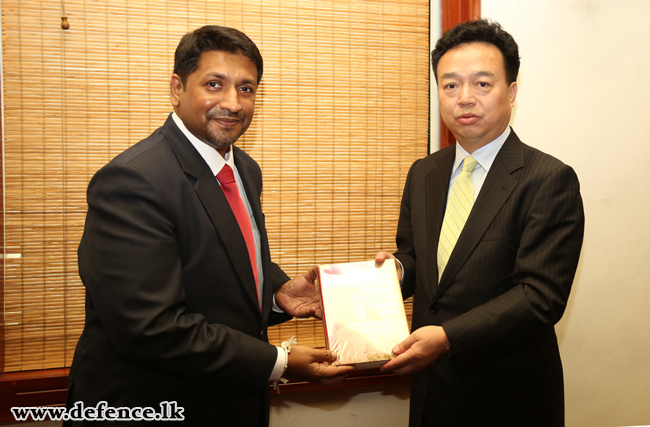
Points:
(171, 305)
(505, 286)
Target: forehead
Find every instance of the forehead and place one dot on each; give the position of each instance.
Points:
(226, 64)
(469, 58)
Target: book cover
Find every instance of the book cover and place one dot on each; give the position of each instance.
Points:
(363, 311)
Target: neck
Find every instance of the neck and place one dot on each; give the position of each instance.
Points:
(471, 147)
(222, 150)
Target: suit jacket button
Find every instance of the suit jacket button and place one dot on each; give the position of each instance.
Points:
(434, 309)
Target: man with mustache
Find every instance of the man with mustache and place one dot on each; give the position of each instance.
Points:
(489, 237)
(180, 287)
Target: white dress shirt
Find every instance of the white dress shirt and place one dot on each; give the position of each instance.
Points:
(484, 156)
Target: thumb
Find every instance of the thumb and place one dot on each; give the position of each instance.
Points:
(404, 345)
(382, 256)
(311, 275)
(324, 356)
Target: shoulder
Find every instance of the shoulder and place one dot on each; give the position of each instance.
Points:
(436, 166)
(543, 165)
(520, 158)
(148, 163)
(434, 160)
(152, 147)
(535, 156)
(535, 169)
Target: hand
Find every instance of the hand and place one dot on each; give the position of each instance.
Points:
(300, 297)
(418, 351)
(310, 364)
(383, 256)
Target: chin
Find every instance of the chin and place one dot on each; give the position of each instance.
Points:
(223, 140)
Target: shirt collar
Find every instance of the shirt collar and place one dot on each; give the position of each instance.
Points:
(485, 155)
(209, 154)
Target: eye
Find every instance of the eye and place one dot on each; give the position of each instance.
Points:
(214, 84)
(248, 90)
(484, 84)
(451, 86)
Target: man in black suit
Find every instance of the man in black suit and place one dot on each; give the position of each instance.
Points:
(179, 294)
(483, 351)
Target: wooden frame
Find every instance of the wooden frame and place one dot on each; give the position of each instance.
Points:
(49, 387)
(2, 256)
(454, 12)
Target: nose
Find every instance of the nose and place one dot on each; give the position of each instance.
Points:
(230, 100)
(466, 96)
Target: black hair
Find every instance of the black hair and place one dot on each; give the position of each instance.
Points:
(481, 31)
(213, 37)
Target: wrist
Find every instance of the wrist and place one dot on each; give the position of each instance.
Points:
(446, 343)
(285, 349)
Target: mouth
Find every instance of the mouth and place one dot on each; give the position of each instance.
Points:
(227, 119)
(467, 119)
(227, 122)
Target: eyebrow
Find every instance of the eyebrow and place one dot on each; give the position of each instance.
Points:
(223, 77)
(249, 82)
(475, 74)
(217, 75)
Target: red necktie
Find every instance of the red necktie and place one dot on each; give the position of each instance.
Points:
(229, 187)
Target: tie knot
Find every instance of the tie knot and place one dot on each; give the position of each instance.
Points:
(469, 164)
(225, 175)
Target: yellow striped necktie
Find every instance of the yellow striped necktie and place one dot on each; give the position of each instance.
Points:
(459, 206)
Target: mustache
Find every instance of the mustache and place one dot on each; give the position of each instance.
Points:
(225, 113)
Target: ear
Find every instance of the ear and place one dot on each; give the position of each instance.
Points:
(512, 93)
(175, 88)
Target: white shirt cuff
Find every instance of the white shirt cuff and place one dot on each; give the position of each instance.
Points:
(275, 306)
(278, 369)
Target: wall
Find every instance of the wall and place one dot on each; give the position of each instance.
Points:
(584, 97)
(384, 407)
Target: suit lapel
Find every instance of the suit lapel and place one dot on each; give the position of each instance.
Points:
(497, 188)
(216, 205)
(437, 187)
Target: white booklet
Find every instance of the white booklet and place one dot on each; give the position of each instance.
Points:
(363, 311)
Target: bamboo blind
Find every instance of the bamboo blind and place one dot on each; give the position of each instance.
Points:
(342, 113)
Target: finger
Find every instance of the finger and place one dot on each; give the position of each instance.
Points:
(396, 363)
(386, 367)
(312, 275)
(314, 307)
(406, 369)
(390, 366)
(404, 345)
(329, 371)
(382, 256)
(324, 356)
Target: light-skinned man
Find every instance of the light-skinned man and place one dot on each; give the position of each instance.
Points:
(489, 237)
